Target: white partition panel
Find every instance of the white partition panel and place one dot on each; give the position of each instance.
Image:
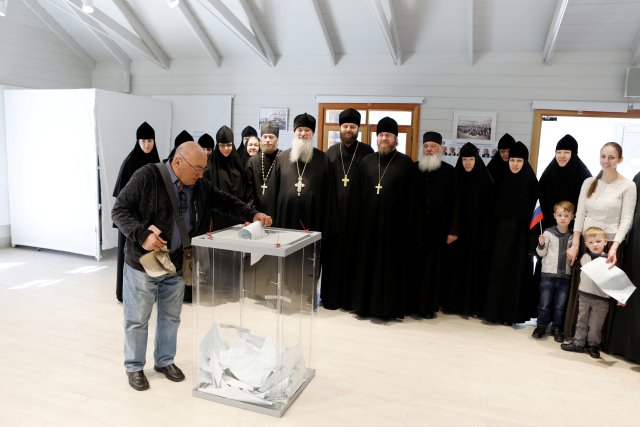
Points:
(53, 179)
(64, 151)
(118, 116)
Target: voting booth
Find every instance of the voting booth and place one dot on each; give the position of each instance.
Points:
(254, 302)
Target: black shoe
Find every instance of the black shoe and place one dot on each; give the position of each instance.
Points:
(594, 351)
(538, 332)
(558, 335)
(572, 347)
(188, 294)
(138, 381)
(171, 371)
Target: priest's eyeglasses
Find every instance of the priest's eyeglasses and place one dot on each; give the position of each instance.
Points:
(197, 171)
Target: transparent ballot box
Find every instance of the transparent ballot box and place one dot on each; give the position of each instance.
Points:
(254, 307)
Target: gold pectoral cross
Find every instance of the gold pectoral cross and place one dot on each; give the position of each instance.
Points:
(378, 188)
(345, 180)
(264, 187)
(299, 185)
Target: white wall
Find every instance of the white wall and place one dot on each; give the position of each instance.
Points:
(504, 83)
(31, 56)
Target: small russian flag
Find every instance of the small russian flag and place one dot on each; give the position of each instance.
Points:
(537, 215)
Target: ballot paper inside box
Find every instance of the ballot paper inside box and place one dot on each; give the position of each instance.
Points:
(254, 307)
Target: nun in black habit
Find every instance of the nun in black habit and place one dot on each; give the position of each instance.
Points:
(182, 137)
(144, 151)
(207, 143)
(471, 251)
(511, 297)
(242, 148)
(562, 179)
(498, 166)
(624, 322)
(225, 171)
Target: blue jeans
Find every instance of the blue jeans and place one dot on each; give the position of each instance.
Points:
(553, 290)
(140, 291)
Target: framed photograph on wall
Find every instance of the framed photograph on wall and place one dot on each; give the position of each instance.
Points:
(474, 126)
(280, 115)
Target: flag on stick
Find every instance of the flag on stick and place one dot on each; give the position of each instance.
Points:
(537, 216)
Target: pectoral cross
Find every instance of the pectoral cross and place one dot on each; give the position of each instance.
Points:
(299, 185)
(378, 188)
(264, 187)
(345, 180)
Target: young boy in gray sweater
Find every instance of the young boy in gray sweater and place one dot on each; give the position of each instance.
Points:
(555, 280)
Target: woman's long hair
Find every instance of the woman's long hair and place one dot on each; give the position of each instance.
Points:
(594, 184)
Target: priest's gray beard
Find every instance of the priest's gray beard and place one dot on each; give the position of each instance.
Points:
(301, 149)
(429, 162)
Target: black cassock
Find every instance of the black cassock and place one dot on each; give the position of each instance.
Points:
(470, 253)
(511, 295)
(134, 161)
(498, 169)
(307, 210)
(439, 212)
(260, 172)
(259, 278)
(624, 322)
(227, 174)
(389, 231)
(340, 241)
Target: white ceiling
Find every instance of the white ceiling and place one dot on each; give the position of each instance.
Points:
(400, 29)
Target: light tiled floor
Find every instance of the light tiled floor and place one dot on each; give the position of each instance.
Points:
(61, 365)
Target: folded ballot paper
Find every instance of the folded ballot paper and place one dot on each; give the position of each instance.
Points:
(613, 282)
(252, 231)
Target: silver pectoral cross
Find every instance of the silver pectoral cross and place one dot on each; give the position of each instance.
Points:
(345, 180)
(378, 188)
(299, 185)
(264, 187)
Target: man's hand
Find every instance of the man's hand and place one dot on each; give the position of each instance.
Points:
(154, 242)
(451, 238)
(263, 218)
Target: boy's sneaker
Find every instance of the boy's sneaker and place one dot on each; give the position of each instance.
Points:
(538, 332)
(594, 351)
(571, 346)
(558, 335)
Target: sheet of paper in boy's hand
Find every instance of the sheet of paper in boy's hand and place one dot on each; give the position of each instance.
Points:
(252, 231)
(613, 282)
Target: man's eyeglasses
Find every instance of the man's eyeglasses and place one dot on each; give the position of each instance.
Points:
(197, 171)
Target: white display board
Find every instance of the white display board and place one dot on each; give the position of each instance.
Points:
(55, 141)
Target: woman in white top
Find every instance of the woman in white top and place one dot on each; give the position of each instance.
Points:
(607, 201)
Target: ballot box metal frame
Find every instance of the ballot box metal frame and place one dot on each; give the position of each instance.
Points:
(243, 249)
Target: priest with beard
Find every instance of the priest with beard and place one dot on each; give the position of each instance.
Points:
(341, 238)
(300, 175)
(144, 151)
(301, 180)
(511, 296)
(263, 191)
(389, 228)
(498, 166)
(439, 211)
